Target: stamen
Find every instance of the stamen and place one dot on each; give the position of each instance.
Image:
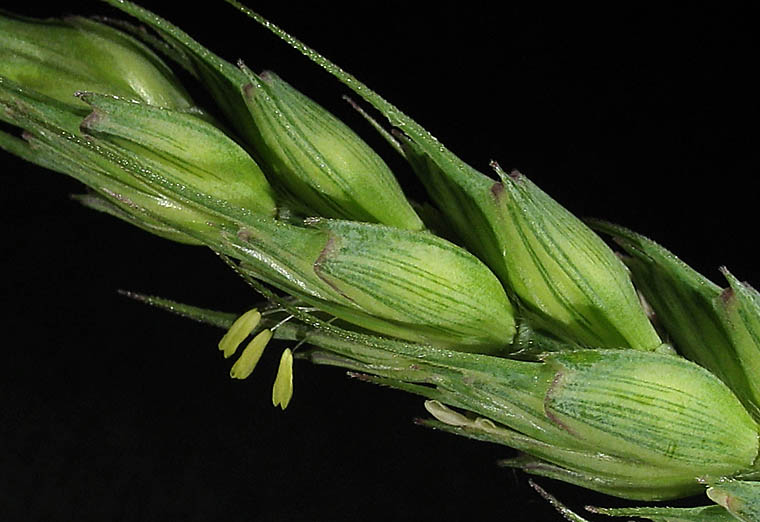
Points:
(288, 318)
(306, 338)
(245, 365)
(240, 329)
(279, 310)
(282, 391)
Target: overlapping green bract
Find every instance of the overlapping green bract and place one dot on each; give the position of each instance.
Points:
(184, 149)
(173, 172)
(739, 497)
(586, 296)
(315, 157)
(568, 280)
(635, 425)
(719, 329)
(60, 57)
(319, 165)
(736, 499)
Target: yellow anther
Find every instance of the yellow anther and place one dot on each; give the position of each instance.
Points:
(244, 366)
(240, 329)
(282, 391)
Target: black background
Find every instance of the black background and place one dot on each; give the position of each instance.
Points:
(645, 116)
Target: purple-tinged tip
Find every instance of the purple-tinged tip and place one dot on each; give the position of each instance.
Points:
(248, 89)
(325, 253)
(550, 393)
(727, 296)
(401, 136)
(513, 174)
(91, 121)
